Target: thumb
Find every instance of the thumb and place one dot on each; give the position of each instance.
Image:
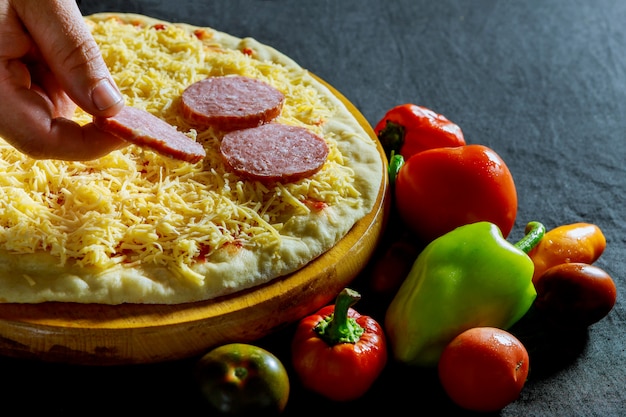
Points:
(71, 53)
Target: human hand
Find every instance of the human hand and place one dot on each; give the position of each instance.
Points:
(49, 63)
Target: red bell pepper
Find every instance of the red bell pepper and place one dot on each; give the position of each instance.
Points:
(408, 129)
(338, 352)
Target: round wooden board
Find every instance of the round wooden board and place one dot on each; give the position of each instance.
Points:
(95, 334)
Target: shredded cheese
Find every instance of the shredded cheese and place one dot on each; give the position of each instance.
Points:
(134, 206)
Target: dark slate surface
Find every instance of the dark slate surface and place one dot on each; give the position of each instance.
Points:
(541, 82)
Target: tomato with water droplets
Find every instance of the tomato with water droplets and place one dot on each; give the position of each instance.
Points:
(484, 369)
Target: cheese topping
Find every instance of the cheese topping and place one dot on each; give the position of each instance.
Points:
(135, 206)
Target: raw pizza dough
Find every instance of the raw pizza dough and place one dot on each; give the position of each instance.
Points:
(138, 227)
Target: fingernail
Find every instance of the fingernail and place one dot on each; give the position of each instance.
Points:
(105, 95)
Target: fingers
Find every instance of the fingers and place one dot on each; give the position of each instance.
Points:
(46, 55)
(29, 123)
(46, 84)
(88, 142)
(66, 45)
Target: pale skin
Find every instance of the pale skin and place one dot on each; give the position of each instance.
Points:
(49, 63)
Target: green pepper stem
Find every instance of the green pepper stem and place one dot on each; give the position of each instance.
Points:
(534, 233)
(338, 327)
(395, 163)
(391, 137)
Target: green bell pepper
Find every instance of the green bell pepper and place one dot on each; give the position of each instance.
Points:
(469, 277)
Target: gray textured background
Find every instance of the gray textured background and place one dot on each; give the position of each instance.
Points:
(542, 82)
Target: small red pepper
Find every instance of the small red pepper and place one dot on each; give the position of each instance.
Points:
(338, 352)
(408, 129)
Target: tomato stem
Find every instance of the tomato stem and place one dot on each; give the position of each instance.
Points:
(338, 327)
(534, 233)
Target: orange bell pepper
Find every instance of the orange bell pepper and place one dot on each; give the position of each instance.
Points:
(576, 242)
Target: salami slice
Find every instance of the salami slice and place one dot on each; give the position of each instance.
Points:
(231, 102)
(144, 129)
(274, 152)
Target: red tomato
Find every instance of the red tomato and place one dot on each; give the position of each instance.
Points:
(484, 369)
(408, 129)
(575, 294)
(441, 189)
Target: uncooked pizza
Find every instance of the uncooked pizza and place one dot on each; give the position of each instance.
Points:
(241, 168)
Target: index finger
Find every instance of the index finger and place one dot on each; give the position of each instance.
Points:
(63, 38)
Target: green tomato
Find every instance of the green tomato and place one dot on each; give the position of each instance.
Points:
(239, 378)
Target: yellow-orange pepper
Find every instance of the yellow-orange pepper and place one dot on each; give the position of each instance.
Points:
(576, 242)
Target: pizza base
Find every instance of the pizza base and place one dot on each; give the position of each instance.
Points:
(299, 236)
